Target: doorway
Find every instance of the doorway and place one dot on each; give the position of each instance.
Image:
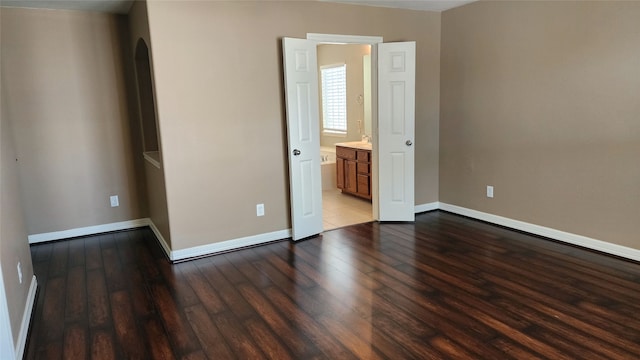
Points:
(344, 86)
(393, 119)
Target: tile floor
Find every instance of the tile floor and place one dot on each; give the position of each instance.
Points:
(340, 210)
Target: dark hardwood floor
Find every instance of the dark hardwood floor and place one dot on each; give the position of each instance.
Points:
(444, 287)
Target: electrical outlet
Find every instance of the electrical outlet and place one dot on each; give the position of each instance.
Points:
(19, 272)
(114, 200)
(489, 191)
(260, 210)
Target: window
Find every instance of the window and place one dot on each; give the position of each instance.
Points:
(334, 99)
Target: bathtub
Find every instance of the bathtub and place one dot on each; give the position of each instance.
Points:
(328, 167)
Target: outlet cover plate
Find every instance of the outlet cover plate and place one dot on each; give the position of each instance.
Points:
(260, 210)
(490, 191)
(19, 272)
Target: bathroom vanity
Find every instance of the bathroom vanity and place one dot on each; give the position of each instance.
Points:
(353, 168)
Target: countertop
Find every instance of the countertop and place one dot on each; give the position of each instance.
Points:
(356, 145)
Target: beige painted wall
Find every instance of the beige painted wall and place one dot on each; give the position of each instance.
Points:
(63, 77)
(540, 100)
(14, 246)
(351, 55)
(218, 77)
(154, 186)
(157, 198)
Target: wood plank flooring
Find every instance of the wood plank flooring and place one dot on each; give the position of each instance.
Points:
(445, 287)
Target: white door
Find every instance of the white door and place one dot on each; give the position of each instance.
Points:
(396, 133)
(301, 94)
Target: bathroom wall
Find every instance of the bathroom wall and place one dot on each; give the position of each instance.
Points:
(351, 55)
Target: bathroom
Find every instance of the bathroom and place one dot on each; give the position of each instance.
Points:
(337, 63)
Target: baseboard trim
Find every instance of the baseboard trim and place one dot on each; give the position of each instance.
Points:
(26, 318)
(427, 207)
(176, 255)
(215, 248)
(210, 249)
(223, 246)
(163, 243)
(89, 230)
(574, 239)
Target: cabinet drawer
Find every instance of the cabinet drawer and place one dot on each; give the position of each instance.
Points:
(363, 185)
(345, 153)
(363, 156)
(363, 168)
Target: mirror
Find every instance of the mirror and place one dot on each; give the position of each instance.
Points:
(357, 58)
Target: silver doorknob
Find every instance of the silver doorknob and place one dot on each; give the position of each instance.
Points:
(408, 142)
(296, 152)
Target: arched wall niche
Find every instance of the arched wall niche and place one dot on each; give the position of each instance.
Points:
(147, 103)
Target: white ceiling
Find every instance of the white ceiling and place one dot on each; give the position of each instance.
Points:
(123, 6)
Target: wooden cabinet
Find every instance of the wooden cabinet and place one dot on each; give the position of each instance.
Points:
(353, 171)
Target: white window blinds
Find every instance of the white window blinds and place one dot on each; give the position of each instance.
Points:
(334, 98)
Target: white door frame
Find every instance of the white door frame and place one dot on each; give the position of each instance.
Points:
(373, 41)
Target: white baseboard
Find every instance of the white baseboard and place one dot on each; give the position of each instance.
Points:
(594, 244)
(172, 255)
(26, 318)
(210, 249)
(599, 245)
(427, 207)
(163, 243)
(89, 230)
(227, 245)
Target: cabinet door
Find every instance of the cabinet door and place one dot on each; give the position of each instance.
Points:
(351, 178)
(363, 168)
(340, 173)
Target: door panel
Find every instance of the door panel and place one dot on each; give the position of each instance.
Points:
(301, 94)
(304, 116)
(396, 134)
(398, 117)
(398, 192)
